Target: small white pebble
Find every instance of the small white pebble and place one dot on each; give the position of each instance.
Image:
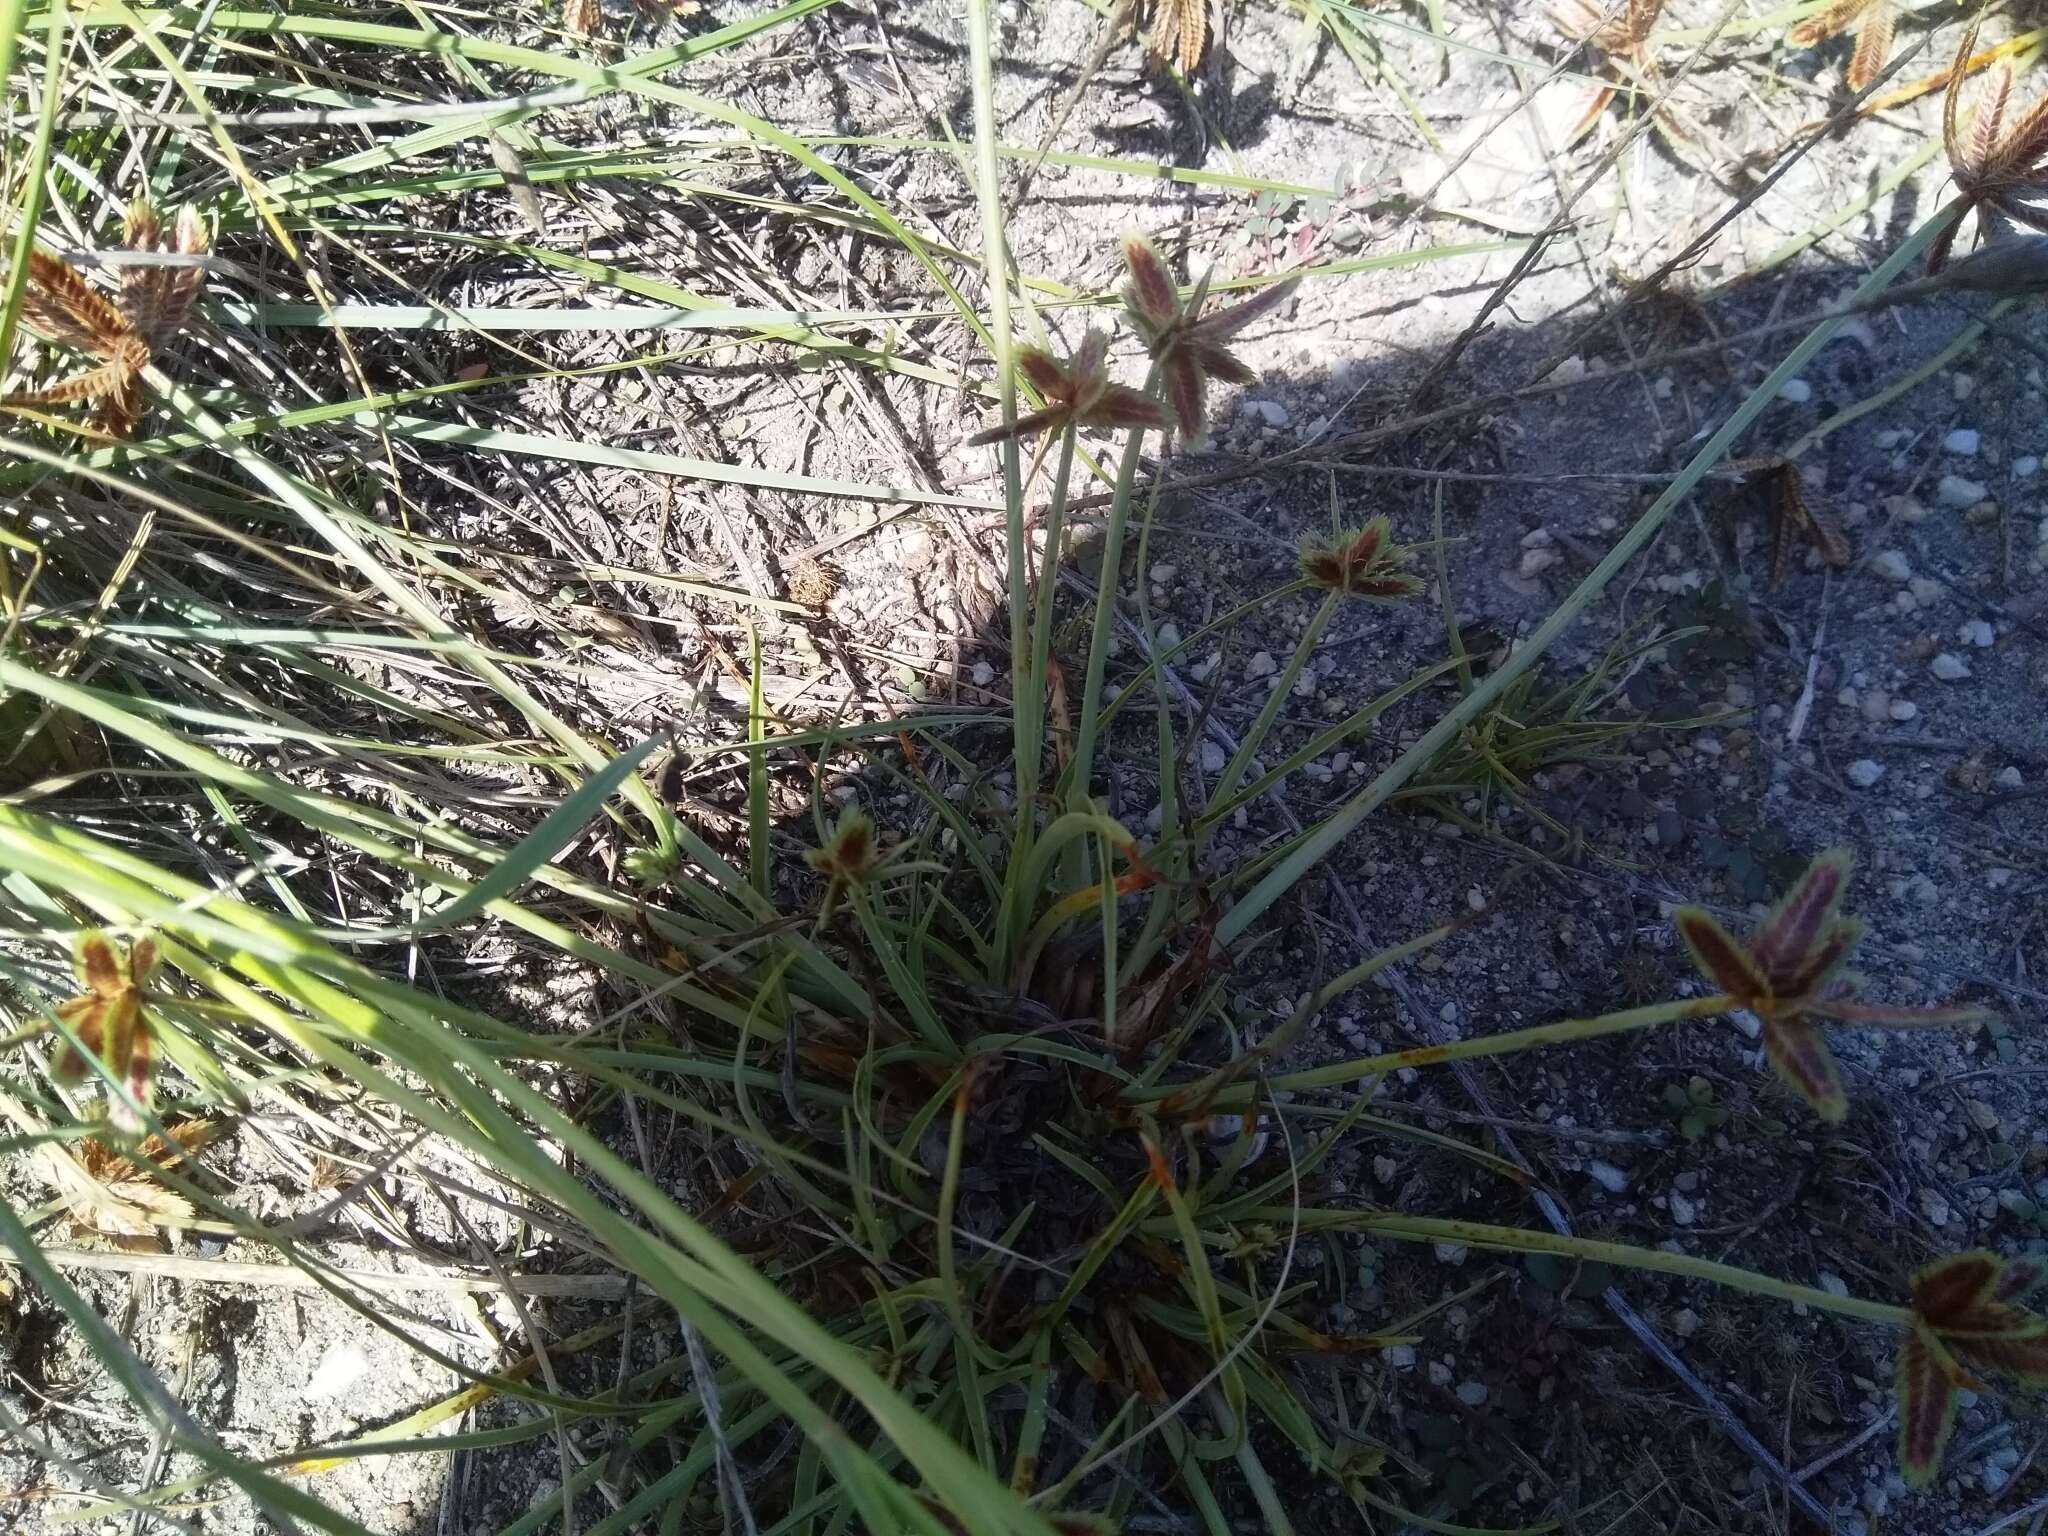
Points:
(1877, 706)
(1274, 414)
(1685, 1322)
(1472, 1393)
(1949, 667)
(1607, 1176)
(1831, 1282)
(1683, 1211)
(1891, 564)
(1798, 391)
(1262, 664)
(1904, 710)
(1955, 491)
(1162, 573)
(983, 674)
(2025, 467)
(1213, 758)
(2009, 777)
(1979, 633)
(1962, 441)
(1865, 772)
(341, 1367)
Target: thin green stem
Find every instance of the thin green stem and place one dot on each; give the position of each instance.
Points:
(1560, 1033)
(996, 268)
(1276, 696)
(1474, 1234)
(1081, 771)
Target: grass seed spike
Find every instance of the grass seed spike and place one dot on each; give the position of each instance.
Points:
(1873, 21)
(122, 336)
(2001, 166)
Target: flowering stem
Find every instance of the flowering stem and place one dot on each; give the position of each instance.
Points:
(1475, 1234)
(1081, 771)
(1027, 703)
(1565, 1030)
(1276, 696)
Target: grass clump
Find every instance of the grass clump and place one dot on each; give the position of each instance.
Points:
(1004, 1200)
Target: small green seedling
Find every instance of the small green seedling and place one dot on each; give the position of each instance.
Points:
(1694, 1103)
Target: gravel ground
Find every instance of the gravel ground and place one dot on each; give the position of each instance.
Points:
(1891, 704)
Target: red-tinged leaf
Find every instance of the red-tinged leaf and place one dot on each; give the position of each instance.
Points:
(1800, 1055)
(1161, 1174)
(1186, 390)
(142, 961)
(80, 311)
(1823, 963)
(1927, 1407)
(1194, 33)
(1393, 587)
(1044, 372)
(1052, 415)
(2021, 146)
(1986, 125)
(1226, 323)
(99, 963)
(1937, 253)
(140, 1055)
(1947, 1289)
(1793, 930)
(1825, 24)
(1123, 407)
(1085, 367)
(1827, 537)
(101, 383)
(1873, 46)
(2016, 1278)
(1784, 529)
(1219, 363)
(121, 408)
(1952, 99)
(87, 1017)
(1720, 959)
(1153, 295)
(2020, 1356)
(1366, 544)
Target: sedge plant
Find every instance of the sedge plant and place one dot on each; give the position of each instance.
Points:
(1002, 1202)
